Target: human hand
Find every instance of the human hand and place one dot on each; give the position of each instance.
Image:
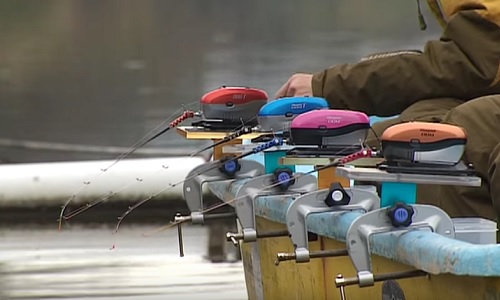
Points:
(299, 84)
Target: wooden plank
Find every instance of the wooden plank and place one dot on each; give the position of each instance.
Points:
(328, 176)
(199, 133)
(288, 280)
(322, 161)
(218, 150)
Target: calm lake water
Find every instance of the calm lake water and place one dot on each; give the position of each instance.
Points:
(77, 263)
(106, 72)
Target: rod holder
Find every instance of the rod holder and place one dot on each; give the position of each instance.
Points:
(210, 172)
(265, 185)
(398, 218)
(335, 200)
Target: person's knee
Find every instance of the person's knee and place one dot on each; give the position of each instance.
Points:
(483, 110)
(431, 110)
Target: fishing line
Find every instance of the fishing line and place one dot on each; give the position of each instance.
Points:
(238, 131)
(229, 137)
(120, 157)
(338, 161)
(255, 150)
(89, 205)
(376, 136)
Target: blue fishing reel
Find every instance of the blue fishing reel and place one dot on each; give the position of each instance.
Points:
(276, 115)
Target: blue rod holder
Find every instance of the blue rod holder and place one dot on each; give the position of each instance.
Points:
(393, 192)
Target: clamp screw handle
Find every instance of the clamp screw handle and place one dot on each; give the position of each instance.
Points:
(229, 166)
(401, 214)
(233, 238)
(179, 235)
(340, 278)
(284, 177)
(337, 196)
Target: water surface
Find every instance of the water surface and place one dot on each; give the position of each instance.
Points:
(77, 263)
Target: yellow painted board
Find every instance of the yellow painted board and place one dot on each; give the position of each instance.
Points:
(199, 133)
(289, 280)
(218, 150)
(328, 176)
(322, 161)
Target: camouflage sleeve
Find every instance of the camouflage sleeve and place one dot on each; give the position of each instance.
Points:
(462, 64)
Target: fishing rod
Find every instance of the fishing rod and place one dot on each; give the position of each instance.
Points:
(273, 115)
(220, 109)
(229, 137)
(105, 198)
(277, 114)
(140, 143)
(229, 160)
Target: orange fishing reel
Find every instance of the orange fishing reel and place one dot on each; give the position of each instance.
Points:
(424, 147)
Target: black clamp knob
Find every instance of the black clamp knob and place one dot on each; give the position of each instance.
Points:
(401, 214)
(337, 196)
(284, 178)
(229, 166)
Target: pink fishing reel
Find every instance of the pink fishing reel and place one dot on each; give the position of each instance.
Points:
(329, 130)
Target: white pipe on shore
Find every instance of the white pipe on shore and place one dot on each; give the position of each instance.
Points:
(65, 147)
(42, 184)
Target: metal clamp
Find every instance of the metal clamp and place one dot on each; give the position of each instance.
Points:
(400, 217)
(209, 172)
(256, 187)
(363, 198)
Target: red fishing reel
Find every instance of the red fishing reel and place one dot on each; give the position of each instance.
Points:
(226, 108)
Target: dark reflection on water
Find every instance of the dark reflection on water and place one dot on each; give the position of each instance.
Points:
(106, 72)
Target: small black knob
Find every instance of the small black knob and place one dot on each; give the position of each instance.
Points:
(337, 196)
(229, 166)
(284, 178)
(401, 214)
